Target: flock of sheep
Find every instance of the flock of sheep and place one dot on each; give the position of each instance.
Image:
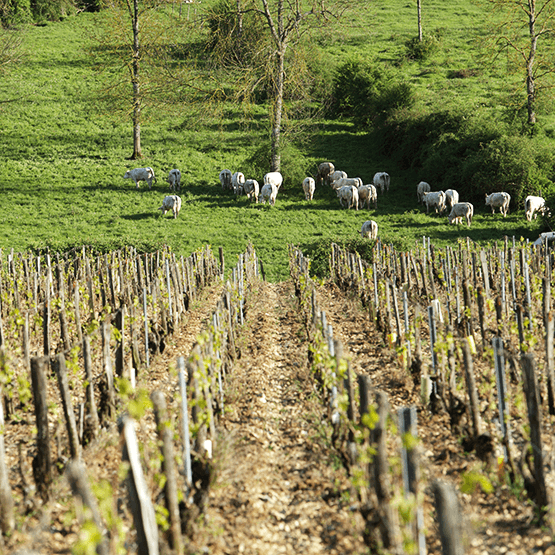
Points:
(440, 201)
(351, 192)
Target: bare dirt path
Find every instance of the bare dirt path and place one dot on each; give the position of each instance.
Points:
(279, 489)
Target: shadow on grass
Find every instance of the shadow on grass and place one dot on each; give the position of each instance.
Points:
(143, 216)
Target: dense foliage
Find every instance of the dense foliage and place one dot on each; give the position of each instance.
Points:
(469, 152)
(16, 12)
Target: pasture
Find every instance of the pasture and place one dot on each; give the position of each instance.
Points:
(63, 156)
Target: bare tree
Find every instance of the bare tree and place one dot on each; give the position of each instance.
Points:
(132, 41)
(286, 21)
(519, 28)
(269, 55)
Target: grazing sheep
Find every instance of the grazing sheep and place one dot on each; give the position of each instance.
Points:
(434, 199)
(171, 202)
(451, 198)
(382, 180)
(461, 210)
(225, 179)
(347, 181)
(367, 194)
(348, 196)
(534, 204)
(237, 182)
(252, 189)
(174, 179)
(335, 176)
(274, 178)
(268, 193)
(369, 229)
(422, 188)
(141, 174)
(499, 200)
(325, 169)
(309, 186)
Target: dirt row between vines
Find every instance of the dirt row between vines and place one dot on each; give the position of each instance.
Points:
(279, 486)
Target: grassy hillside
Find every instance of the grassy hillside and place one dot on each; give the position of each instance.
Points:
(63, 158)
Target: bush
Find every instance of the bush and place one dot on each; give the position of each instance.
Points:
(465, 151)
(368, 94)
(15, 12)
(47, 10)
(294, 165)
(420, 50)
(320, 251)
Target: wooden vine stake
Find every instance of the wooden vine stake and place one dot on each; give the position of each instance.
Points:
(378, 470)
(168, 469)
(7, 520)
(92, 422)
(449, 516)
(502, 398)
(77, 478)
(535, 420)
(59, 366)
(411, 471)
(550, 361)
(139, 497)
(42, 464)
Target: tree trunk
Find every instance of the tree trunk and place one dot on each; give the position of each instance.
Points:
(419, 9)
(530, 80)
(136, 84)
(278, 110)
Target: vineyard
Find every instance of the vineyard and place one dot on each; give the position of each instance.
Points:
(152, 405)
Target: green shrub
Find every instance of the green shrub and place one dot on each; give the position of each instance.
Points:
(319, 253)
(47, 10)
(420, 50)
(15, 12)
(367, 93)
(294, 165)
(473, 154)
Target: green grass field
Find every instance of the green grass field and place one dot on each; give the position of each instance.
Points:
(62, 158)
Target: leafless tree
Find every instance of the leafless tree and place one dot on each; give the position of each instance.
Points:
(131, 41)
(520, 26)
(287, 20)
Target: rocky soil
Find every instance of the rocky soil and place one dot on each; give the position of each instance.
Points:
(279, 486)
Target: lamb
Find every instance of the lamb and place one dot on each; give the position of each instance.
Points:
(174, 179)
(382, 180)
(422, 188)
(225, 179)
(252, 189)
(141, 174)
(268, 193)
(499, 200)
(436, 200)
(369, 229)
(171, 202)
(309, 186)
(461, 210)
(451, 198)
(534, 204)
(367, 194)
